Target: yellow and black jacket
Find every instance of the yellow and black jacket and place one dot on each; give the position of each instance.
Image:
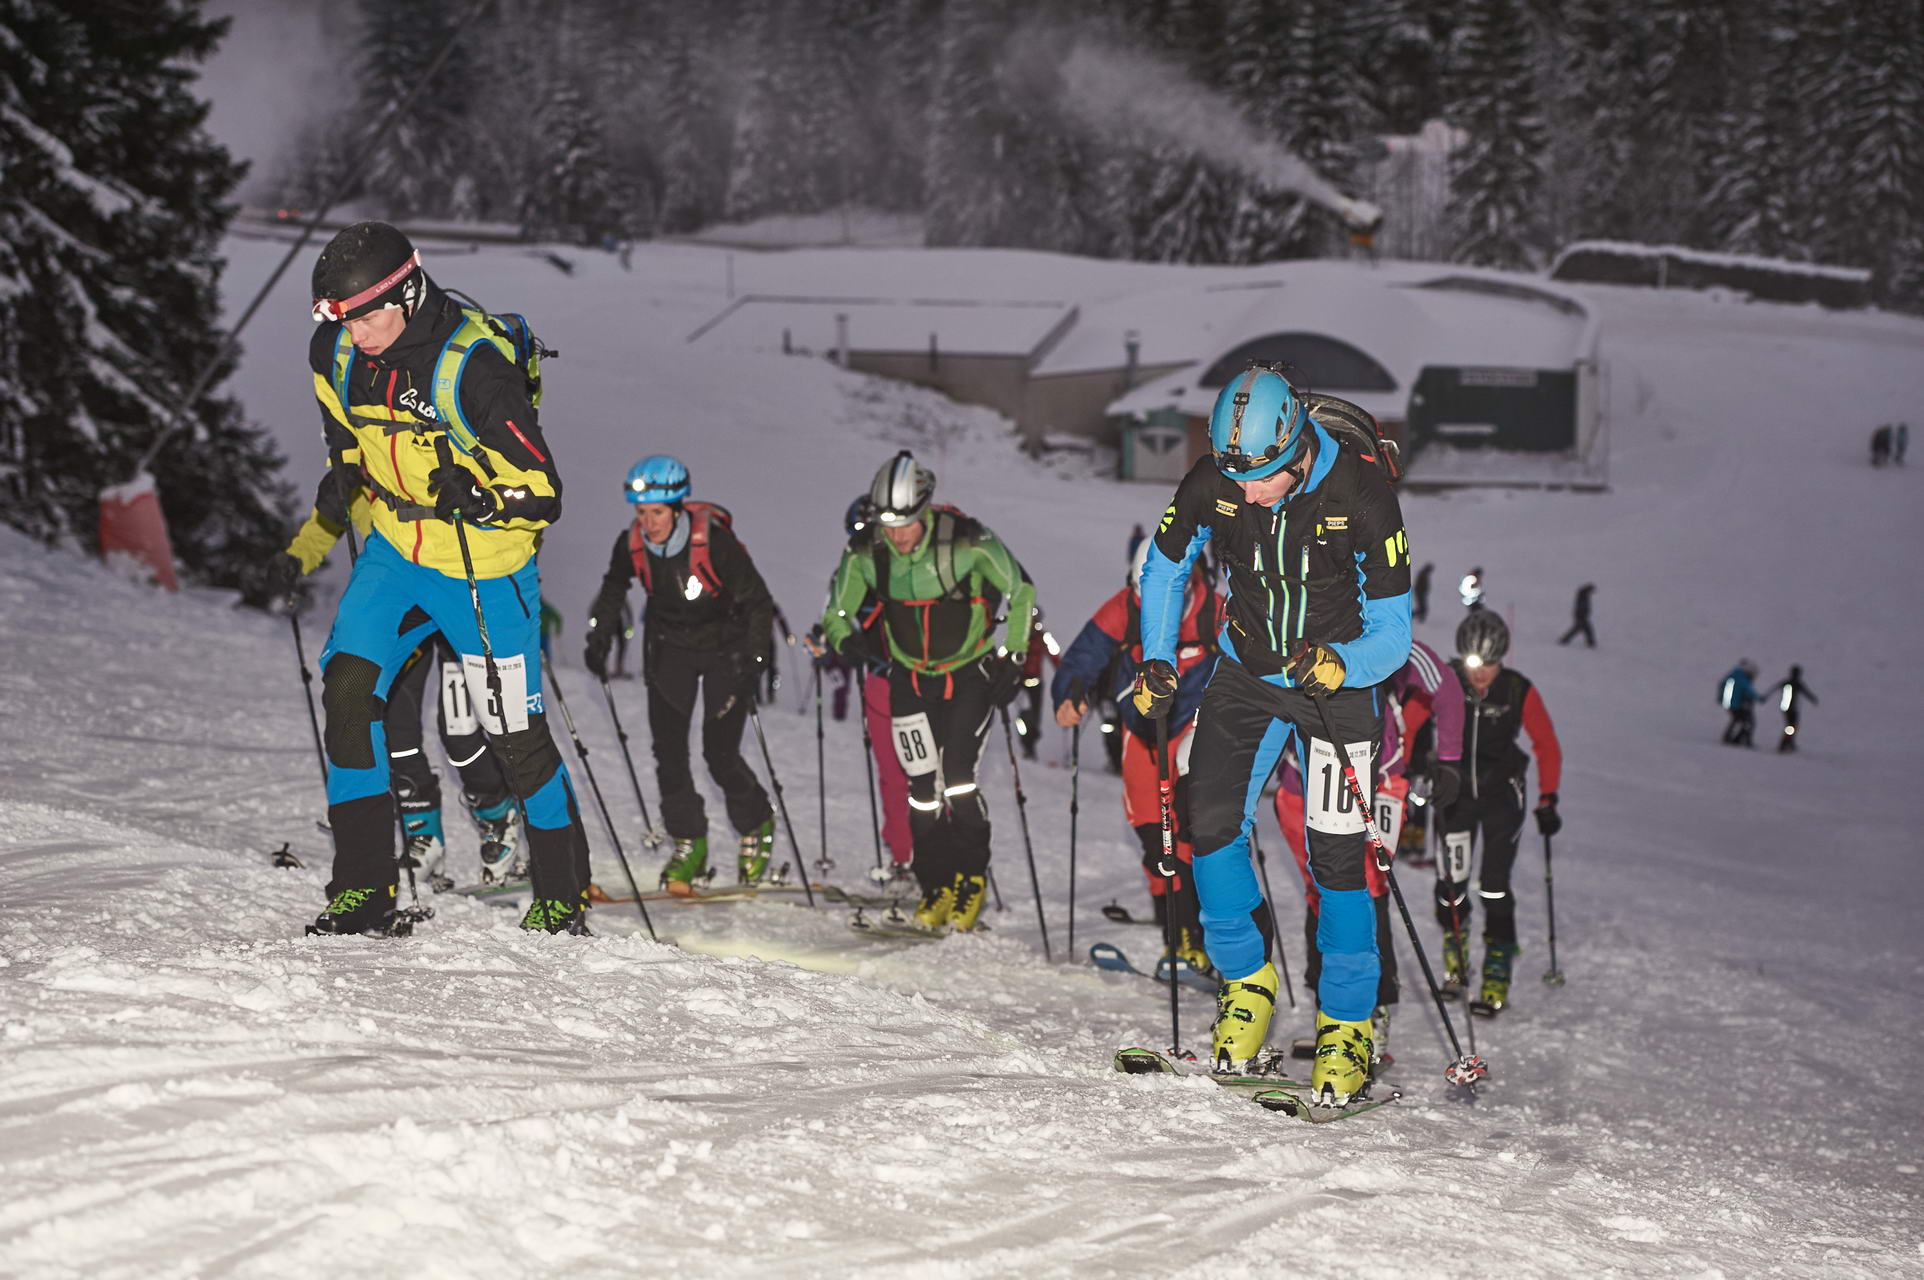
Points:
(382, 439)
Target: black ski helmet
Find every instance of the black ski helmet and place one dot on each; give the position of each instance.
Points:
(1482, 639)
(859, 516)
(365, 267)
(901, 491)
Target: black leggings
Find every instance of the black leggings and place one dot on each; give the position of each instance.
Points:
(940, 723)
(1497, 809)
(675, 675)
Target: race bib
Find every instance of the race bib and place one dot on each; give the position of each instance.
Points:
(457, 708)
(1456, 857)
(510, 713)
(915, 744)
(1389, 818)
(1328, 805)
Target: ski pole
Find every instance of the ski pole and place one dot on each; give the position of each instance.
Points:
(1275, 926)
(781, 803)
(1022, 814)
(1552, 976)
(868, 759)
(821, 768)
(307, 686)
(651, 836)
(1465, 1068)
(1165, 797)
(1075, 782)
(607, 820)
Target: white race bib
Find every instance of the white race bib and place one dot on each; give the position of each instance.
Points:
(457, 708)
(915, 744)
(1328, 805)
(1389, 819)
(514, 692)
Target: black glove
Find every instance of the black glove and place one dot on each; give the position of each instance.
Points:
(595, 656)
(853, 649)
(1155, 688)
(1547, 820)
(748, 667)
(280, 576)
(455, 488)
(1005, 678)
(1445, 784)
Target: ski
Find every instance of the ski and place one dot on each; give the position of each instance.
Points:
(1120, 914)
(1106, 955)
(1267, 1087)
(837, 894)
(895, 925)
(1485, 1008)
(284, 857)
(499, 894)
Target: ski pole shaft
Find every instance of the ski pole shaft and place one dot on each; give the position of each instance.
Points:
(307, 686)
(801, 867)
(1022, 814)
(1275, 926)
(607, 820)
(868, 759)
(1466, 1069)
(821, 767)
(1553, 975)
(1075, 783)
(649, 836)
(1165, 798)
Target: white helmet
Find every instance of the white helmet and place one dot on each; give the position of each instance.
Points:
(901, 491)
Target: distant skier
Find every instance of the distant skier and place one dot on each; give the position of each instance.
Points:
(1738, 696)
(1318, 616)
(1900, 442)
(1470, 590)
(1790, 690)
(938, 575)
(1580, 618)
(1881, 445)
(450, 447)
(1089, 665)
(1500, 702)
(705, 631)
(1420, 594)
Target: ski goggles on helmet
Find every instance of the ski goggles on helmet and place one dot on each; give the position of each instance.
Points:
(363, 302)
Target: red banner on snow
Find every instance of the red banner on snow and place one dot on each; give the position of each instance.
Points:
(131, 525)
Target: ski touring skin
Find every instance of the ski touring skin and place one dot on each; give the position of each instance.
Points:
(1267, 1088)
(1108, 956)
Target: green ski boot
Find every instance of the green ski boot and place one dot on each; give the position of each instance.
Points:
(1498, 958)
(689, 864)
(751, 862)
(555, 915)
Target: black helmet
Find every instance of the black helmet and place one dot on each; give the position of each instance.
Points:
(901, 491)
(368, 266)
(859, 516)
(1482, 639)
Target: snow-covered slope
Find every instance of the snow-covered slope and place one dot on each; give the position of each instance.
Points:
(1727, 1086)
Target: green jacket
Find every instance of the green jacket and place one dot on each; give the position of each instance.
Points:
(939, 600)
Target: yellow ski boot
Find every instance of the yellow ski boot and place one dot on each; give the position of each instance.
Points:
(1189, 950)
(937, 907)
(970, 893)
(1341, 1070)
(1243, 1008)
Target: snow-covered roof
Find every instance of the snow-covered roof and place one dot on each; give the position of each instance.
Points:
(1636, 249)
(1428, 318)
(959, 326)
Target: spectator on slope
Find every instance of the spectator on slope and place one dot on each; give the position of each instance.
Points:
(1089, 672)
(1790, 691)
(938, 576)
(1738, 696)
(1580, 618)
(1318, 612)
(1499, 702)
(463, 483)
(705, 630)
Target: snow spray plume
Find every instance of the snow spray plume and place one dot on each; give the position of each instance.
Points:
(1130, 94)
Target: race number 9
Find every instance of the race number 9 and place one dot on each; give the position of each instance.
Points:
(914, 744)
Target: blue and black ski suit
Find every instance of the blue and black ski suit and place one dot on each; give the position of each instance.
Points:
(1328, 565)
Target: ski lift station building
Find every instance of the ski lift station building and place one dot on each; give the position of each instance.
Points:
(1481, 377)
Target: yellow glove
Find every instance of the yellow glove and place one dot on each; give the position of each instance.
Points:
(1155, 690)
(1317, 670)
(315, 539)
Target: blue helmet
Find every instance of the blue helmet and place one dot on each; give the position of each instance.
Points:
(1259, 425)
(657, 478)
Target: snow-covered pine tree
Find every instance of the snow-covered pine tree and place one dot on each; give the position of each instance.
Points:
(973, 190)
(1496, 182)
(793, 120)
(1756, 198)
(1884, 151)
(1320, 82)
(691, 128)
(431, 160)
(1824, 78)
(111, 213)
(573, 193)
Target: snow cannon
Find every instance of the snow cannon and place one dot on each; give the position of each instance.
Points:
(1360, 216)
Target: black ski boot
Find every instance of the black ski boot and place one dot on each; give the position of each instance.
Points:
(369, 911)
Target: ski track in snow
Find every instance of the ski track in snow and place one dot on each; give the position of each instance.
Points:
(1726, 1087)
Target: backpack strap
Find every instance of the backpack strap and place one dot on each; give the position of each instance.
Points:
(343, 362)
(638, 552)
(461, 345)
(701, 561)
